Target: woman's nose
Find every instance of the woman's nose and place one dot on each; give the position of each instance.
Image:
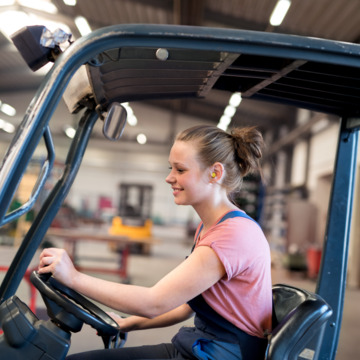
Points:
(170, 178)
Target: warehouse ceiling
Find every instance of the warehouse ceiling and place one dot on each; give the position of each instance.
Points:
(329, 19)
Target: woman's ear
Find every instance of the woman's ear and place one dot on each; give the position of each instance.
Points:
(217, 172)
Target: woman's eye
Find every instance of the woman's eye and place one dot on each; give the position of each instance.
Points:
(180, 171)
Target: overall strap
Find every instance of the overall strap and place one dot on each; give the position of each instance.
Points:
(229, 215)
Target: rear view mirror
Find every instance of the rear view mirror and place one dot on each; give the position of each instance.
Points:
(115, 121)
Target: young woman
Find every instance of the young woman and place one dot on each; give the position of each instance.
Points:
(225, 281)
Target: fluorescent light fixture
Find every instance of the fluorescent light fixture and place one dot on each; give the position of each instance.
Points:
(225, 120)
(9, 128)
(6, 126)
(70, 132)
(235, 99)
(141, 139)
(222, 126)
(132, 120)
(7, 109)
(41, 5)
(128, 109)
(70, 2)
(82, 25)
(279, 12)
(230, 111)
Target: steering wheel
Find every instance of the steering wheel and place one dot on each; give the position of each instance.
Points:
(69, 310)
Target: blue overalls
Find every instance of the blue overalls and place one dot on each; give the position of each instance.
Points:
(214, 337)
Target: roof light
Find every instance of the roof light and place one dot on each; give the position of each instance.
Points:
(7, 109)
(70, 132)
(225, 120)
(82, 25)
(279, 12)
(131, 118)
(229, 111)
(235, 99)
(141, 139)
(6, 126)
(70, 2)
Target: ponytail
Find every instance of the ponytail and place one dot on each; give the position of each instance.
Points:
(248, 145)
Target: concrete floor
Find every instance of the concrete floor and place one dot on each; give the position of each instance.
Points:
(145, 270)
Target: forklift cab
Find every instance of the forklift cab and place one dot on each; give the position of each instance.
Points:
(135, 203)
(138, 62)
(134, 215)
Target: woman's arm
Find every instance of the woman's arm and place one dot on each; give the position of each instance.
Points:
(172, 317)
(197, 273)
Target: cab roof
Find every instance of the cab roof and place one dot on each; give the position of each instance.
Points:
(315, 74)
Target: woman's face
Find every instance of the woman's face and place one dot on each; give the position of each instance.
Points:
(189, 181)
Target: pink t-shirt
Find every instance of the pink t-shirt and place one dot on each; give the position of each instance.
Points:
(244, 295)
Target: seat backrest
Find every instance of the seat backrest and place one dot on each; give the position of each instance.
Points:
(299, 320)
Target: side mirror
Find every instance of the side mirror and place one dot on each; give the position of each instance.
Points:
(115, 121)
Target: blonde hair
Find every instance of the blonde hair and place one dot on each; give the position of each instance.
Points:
(239, 151)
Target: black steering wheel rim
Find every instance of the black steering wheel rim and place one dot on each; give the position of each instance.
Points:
(74, 303)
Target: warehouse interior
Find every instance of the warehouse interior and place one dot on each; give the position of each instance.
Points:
(128, 177)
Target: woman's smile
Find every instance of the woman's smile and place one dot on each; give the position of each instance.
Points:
(176, 190)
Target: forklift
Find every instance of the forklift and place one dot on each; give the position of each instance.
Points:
(315, 74)
(134, 215)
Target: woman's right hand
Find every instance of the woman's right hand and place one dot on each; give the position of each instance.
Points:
(126, 324)
(58, 263)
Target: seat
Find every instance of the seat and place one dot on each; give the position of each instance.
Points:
(299, 320)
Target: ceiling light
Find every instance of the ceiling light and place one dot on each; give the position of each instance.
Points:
(70, 132)
(70, 2)
(41, 5)
(141, 139)
(128, 108)
(9, 128)
(279, 12)
(82, 25)
(235, 99)
(132, 120)
(7, 109)
(6, 126)
(230, 111)
(225, 120)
